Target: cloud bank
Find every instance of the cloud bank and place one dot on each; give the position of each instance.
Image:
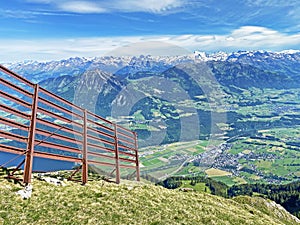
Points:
(101, 6)
(243, 38)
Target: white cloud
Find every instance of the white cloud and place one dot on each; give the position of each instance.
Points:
(99, 6)
(273, 3)
(80, 7)
(248, 31)
(155, 6)
(25, 14)
(16, 14)
(40, 1)
(244, 38)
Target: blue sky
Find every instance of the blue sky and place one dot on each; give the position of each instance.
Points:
(55, 29)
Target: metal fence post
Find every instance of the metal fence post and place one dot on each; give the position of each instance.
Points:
(117, 155)
(31, 138)
(84, 150)
(137, 158)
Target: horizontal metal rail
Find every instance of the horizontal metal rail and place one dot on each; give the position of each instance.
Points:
(60, 108)
(51, 114)
(127, 166)
(126, 142)
(125, 129)
(11, 149)
(100, 118)
(100, 132)
(103, 141)
(57, 126)
(127, 160)
(101, 148)
(16, 88)
(16, 76)
(56, 156)
(127, 153)
(60, 99)
(15, 99)
(101, 163)
(58, 146)
(127, 148)
(96, 139)
(12, 123)
(109, 157)
(125, 135)
(12, 136)
(96, 154)
(14, 111)
(57, 136)
(101, 125)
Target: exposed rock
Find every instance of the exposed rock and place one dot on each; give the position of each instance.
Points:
(26, 192)
(51, 180)
(186, 189)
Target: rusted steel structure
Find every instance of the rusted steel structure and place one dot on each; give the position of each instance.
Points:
(41, 124)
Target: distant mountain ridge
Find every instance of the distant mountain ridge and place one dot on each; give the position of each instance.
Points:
(38, 71)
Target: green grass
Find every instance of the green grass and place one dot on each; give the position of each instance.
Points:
(201, 187)
(229, 181)
(152, 162)
(99, 202)
(264, 164)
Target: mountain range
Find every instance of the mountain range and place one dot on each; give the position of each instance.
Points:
(158, 94)
(131, 64)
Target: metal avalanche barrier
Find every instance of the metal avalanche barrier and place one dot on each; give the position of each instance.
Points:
(36, 123)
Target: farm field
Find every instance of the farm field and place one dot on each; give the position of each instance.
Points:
(212, 172)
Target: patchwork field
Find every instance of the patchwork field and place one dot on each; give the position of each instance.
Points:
(212, 172)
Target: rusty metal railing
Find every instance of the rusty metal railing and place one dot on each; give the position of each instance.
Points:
(36, 123)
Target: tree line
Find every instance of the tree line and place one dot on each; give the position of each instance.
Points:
(216, 187)
(287, 195)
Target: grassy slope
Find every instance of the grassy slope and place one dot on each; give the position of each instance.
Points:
(104, 203)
